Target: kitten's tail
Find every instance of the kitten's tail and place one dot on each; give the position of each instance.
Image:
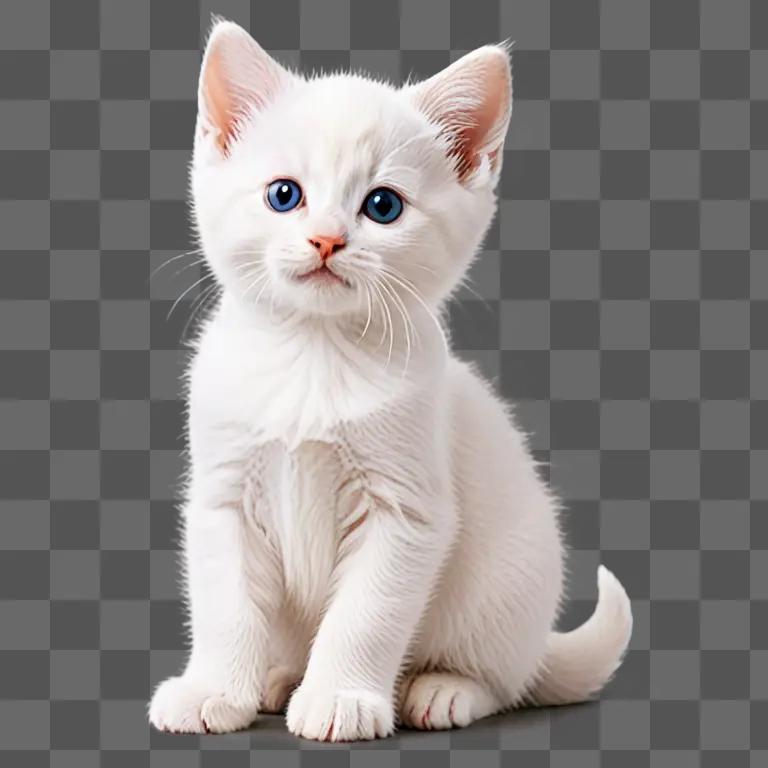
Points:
(579, 663)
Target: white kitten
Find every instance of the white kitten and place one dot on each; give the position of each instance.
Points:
(362, 515)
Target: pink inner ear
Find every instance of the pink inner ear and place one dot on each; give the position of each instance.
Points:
(480, 136)
(471, 99)
(218, 99)
(238, 76)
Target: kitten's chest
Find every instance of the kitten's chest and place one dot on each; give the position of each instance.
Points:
(302, 485)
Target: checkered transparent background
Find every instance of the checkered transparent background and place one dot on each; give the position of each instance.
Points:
(626, 312)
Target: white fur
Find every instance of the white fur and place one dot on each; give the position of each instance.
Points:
(362, 515)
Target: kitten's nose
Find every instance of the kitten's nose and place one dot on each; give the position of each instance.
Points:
(327, 245)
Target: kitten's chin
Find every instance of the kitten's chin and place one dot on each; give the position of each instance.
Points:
(322, 294)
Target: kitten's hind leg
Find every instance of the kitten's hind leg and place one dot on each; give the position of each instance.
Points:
(441, 700)
(280, 684)
(289, 648)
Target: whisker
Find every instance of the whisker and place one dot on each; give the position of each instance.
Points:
(258, 280)
(199, 305)
(261, 291)
(466, 282)
(383, 315)
(385, 306)
(246, 265)
(404, 282)
(191, 287)
(195, 263)
(196, 251)
(398, 307)
(256, 271)
(370, 308)
(425, 268)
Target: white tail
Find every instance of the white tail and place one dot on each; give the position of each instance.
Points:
(579, 663)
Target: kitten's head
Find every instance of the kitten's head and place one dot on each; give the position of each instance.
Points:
(324, 194)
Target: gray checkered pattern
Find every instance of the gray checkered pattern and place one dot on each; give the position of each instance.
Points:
(626, 311)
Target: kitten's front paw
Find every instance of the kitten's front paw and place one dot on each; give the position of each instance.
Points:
(341, 715)
(183, 706)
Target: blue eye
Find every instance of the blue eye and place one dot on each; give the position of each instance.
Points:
(383, 205)
(283, 195)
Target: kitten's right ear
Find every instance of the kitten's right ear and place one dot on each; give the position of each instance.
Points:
(237, 77)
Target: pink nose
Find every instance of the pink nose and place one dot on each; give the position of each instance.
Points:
(327, 245)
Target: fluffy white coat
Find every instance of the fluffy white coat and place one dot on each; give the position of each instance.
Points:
(363, 520)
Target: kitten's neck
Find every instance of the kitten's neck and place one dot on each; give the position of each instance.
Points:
(310, 375)
(408, 343)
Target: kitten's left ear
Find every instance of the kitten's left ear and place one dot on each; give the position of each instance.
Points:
(472, 101)
(237, 77)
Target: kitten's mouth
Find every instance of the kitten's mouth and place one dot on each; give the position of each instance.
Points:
(322, 275)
